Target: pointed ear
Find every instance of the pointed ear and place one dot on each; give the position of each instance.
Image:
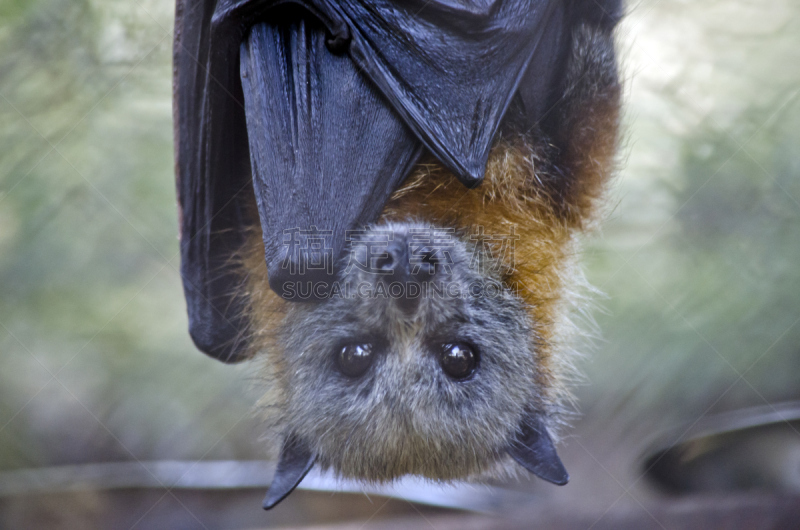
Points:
(534, 450)
(295, 462)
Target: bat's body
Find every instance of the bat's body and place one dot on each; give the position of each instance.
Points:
(452, 383)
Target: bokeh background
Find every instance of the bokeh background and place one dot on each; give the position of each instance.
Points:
(698, 262)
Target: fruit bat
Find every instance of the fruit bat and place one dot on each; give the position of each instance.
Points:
(379, 203)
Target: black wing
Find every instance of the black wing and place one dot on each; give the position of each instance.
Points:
(213, 177)
(337, 98)
(327, 151)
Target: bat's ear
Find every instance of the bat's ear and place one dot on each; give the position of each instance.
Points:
(295, 462)
(534, 450)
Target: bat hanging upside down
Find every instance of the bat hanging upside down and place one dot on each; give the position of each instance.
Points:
(379, 204)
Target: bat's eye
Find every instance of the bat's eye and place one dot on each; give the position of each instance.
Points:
(458, 360)
(354, 359)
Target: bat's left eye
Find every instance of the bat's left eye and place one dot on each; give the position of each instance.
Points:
(354, 359)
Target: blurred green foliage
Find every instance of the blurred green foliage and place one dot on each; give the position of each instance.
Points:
(700, 257)
(97, 363)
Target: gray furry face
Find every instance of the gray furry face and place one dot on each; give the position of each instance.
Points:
(419, 363)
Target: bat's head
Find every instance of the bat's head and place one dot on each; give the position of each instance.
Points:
(420, 362)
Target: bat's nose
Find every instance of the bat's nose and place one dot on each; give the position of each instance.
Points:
(404, 267)
(394, 261)
(405, 260)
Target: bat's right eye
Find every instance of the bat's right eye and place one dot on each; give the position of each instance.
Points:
(354, 359)
(458, 360)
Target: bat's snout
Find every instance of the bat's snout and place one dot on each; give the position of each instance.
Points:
(404, 267)
(394, 262)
